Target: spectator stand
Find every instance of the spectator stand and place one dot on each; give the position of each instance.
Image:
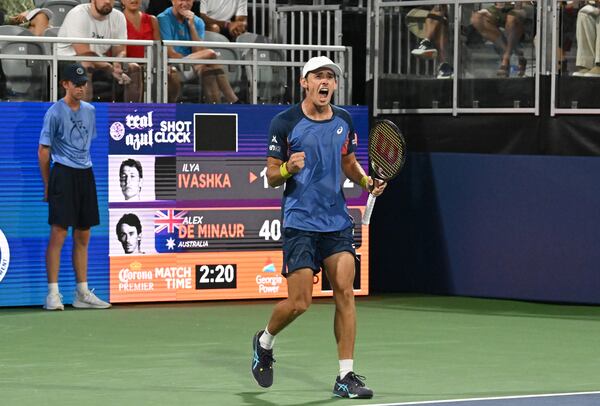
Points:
(52, 58)
(403, 83)
(341, 54)
(59, 8)
(272, 82)
(23, 64)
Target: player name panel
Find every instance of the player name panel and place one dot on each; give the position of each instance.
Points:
(185, 178)
(199, 230)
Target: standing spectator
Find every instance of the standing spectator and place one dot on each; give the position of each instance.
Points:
(69, 187)
(436, 38)
(179, 23)
(15, 11)
(139, 26)
(98, 20)
(588, 41)
(228, 17)
(39, 20)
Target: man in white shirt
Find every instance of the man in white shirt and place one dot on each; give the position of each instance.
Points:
(228, 17)
(99, 20)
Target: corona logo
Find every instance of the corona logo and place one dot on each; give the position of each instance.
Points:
(135, 266)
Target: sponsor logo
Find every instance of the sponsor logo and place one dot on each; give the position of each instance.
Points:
(271, 283)
(117, 131)
(274, 140)
(138, 131)
(340, 130)
(269, 266)
(275, 148)
(4, 255)
(135, 279)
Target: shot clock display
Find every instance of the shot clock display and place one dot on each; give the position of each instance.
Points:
(207, 224)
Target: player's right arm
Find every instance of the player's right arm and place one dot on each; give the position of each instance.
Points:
(281, 164)
(48, 130)
(278, 171)
(44, 163)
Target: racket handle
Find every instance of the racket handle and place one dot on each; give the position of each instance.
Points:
(366, 219)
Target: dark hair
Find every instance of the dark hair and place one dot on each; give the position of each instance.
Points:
(134, 163)
(129, 219)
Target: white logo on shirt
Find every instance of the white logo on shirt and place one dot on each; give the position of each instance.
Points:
(340, 130)
(274, 140)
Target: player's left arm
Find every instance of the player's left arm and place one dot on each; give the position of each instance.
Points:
(354, 171)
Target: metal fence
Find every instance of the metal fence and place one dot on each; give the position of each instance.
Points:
(404, 82)
(262, 69)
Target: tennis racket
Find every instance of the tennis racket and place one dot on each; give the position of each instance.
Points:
(387, 153)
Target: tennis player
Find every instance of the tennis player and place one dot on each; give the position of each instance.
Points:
(310, 145)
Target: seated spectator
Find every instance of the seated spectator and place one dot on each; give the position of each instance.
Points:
(15, 11)
(98, 19)
(510, 16)
(436, 38)
(228, 17)
(139, 26)
(155, 7)
(39, 21)
(179, 23)
(566, 34)
(588, 41)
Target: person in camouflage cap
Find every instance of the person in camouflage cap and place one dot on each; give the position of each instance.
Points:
(16, 10)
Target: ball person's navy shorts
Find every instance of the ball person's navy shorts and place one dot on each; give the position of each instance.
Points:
(72, 199)
(308, 249)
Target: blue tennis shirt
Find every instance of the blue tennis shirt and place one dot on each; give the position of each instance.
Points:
(313, 199)
(69, 133)
(173, 29)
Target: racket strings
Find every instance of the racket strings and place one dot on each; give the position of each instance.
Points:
(387, 151)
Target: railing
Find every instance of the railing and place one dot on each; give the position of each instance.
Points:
(54, 58)
(342, 55)
(157, 61)
(404, 83)
(394, 66)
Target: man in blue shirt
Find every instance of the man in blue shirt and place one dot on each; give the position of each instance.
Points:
(69, 187)
(179, 23)
(310, 145)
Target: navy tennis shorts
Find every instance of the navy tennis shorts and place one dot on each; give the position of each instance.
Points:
(72, 199)
(308, 249)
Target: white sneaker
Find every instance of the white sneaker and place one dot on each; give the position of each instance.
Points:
(89, 301)
(581, 72)
(594, 72)
(425, 50)
(54, 302)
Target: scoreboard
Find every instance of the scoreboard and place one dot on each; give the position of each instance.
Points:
(191, 216)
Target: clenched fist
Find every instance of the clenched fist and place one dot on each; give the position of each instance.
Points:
(295, 163)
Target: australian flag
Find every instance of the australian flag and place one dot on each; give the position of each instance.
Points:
(166, 229)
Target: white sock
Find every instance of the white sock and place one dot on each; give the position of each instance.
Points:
(82, 287)
(53, 288)
(267, 340)
(346, 365)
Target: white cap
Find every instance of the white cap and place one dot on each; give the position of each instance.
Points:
(319, 62)
(35, 12)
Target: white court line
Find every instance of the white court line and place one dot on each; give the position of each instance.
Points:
(429, 402)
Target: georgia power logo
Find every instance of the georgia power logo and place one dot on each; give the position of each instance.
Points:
(4, 255)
